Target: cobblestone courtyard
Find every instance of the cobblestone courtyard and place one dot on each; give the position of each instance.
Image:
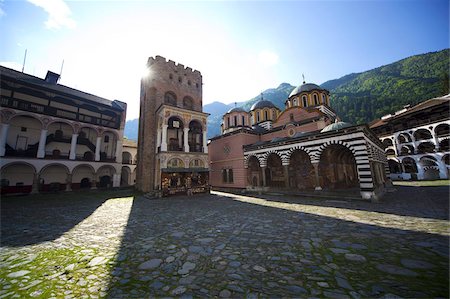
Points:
(113, 244)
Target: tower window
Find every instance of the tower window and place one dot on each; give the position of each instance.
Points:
(179, 79)
(235, 121)
(305, 101)
(324, 99)
(228, 120)
(316, 100)
(189, 82)
(266, 115)
(257, 116)
(243, 120)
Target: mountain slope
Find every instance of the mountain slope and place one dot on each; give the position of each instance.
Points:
(360, 98)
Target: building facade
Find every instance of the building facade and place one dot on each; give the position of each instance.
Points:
(417, 140)
(129, 162)
(57, 138)
(303, 148)
(172, 143)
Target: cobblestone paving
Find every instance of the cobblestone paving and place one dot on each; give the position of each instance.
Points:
(108, 244)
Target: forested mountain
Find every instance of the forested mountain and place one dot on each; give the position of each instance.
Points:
(360, 97)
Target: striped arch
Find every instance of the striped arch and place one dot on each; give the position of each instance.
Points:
(316, 156)
(266, 155)
(292, 150)
(247, 158)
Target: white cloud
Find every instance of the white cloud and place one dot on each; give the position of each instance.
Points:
(268, 58)
(58, 13)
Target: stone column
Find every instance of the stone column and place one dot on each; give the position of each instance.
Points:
(185, 140)
(35, 186)
(116, 180)
(286, 175)
(264, 176)
(164, 138)
(73, 147)
(205, 143)
(41, 148)
(69, 183)
(3, 136)
(119, 149)
(158, 139)
(94, 184)
(316, 172)
(442, 170)
(97, 148)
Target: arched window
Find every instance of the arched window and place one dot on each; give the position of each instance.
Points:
(324, 99)
(266, 115)
(274, 114)
(235, 121)
(188, 103)
(305, 101)
(316, 100)
(243, 120)
(170, 98)
(295, 102)
(106, 139)
(228, 122)
(257, 116)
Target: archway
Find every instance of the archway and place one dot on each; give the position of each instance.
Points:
(301, 172)
(195, 136)
(407, 150)
(404, 138)
(394, 166)
(387, 142)
(105, 176)
(430, 168)
(337, 168)
(127, 158)
(86, 144)
(23, 136)
(422, 134)
(444, 145)
(83, 177)
(442, 130)
(274, 171)
(125, 176)
(54, 177)
(17, 178)
(254, 175)
(175, 134)
(59, 138)
(425, 147)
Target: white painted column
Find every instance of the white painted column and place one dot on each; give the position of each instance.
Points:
(158, 139)
(185, 140)
(119, 148)
(73, 147)
(116, 180)
(97, 148)
(442, 170)
(3, 136)
(164, 138)
(42, 140)
(205, 143)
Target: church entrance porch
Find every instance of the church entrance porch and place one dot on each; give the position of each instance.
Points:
(184, 181)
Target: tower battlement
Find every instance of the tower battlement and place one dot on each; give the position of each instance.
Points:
(170, 64)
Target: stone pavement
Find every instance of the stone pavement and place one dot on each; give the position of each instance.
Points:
(109, 244)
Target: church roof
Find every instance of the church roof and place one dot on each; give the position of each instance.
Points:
(236, 109)
(305, 87)
(263, 104)
(336, 126)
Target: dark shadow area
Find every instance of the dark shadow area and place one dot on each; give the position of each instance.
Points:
(425, 202)
(33, 219)
(214, 246)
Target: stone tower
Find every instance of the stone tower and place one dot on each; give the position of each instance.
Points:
(172, 128)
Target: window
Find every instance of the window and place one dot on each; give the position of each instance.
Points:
(243, 120)
(228, 121)
(23, 129)
(257, 116)
(227, 175)
(305, 101)
(324, 99)
(179, 79)
(291, 117)
(316, 100)
(189, 82)
(295, 102)
(106, 139)
(170, 76)
(266, 115)
(274, 114)
(235, 121)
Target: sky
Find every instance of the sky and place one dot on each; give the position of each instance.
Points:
(240, 47)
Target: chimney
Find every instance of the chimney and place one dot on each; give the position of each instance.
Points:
(51, 77)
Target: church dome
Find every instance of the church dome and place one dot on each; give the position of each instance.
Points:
(305, 87)
(236, 109)
(336, 126)
(263, 104)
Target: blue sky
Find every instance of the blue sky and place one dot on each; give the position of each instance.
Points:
(241, 47)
